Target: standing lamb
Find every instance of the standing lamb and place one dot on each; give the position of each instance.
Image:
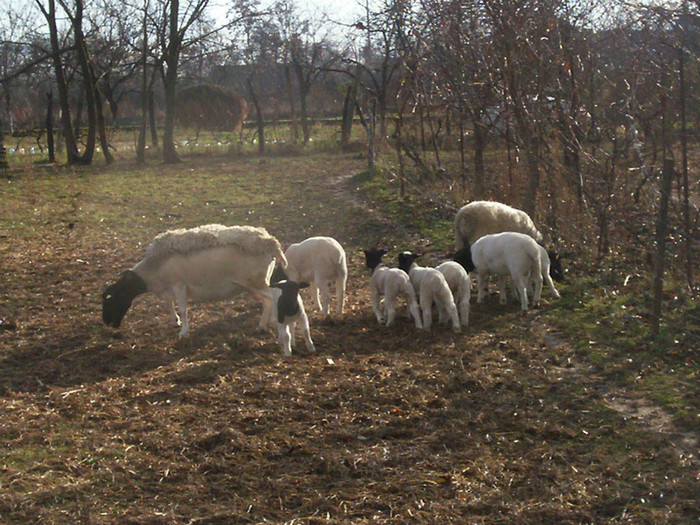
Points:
(319, 260)
(431, 286)
(507, 253)
(480, 218)
(206, 263)
(461, 287)
(289, 308)
(390, 283)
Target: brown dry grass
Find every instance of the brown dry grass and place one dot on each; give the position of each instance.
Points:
(496, 425)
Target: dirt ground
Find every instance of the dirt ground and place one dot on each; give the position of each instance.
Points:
(503, 423)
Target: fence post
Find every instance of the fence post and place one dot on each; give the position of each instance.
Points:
(660, 256)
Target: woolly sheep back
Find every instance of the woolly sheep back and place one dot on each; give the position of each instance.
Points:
(479, 218)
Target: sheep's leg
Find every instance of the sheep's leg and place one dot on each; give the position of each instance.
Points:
(538, 289)
(314, 287)
(284, 338)
(390, 306)
(550, 285)
(426, 305)
(306, 333)
(180, 293)
(266, 299)
(502, 290)
(521, 285)
(481, 281)
(415, 312)
(325, 296)
(452, 312)
(442, 314)
(376, 306)
(340, 294)
(464, 309)
(173, 313)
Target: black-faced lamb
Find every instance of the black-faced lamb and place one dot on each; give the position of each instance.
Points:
(507, 253)
(206, 263)
(289, 310)
(318, 260)
(480, 218)
(461, 287)
(389, 283)
(431, 286)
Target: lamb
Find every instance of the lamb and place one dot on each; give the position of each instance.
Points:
(431, 286)
(318, 260)
(206, 263)
(390, 283)
(290, 310)
(505, 253)
(480, 218)
(461, 287)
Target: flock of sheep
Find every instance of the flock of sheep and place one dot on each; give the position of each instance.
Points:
(215, 262)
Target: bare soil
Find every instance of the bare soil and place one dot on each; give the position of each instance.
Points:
(503, 423)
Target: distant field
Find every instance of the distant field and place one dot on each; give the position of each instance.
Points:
(565, 414)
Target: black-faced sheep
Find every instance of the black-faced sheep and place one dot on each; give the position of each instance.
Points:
(289, 310)
(431, 287)
(508, 253)
(389, 283)
(206, 263)
(318, 260)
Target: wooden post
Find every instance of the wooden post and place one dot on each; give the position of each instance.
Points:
(660, 256)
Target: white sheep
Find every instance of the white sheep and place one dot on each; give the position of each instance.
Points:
(206, 263)
(431, 287)
(507, 253)
(461, 287)
(289, 310)
(319, 261)
(480, 218)
(389, 283)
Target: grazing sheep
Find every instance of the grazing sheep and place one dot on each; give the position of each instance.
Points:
(290, 310)
(318, 260)
(390, 283)
(507, 253)
(206, 263)
(431, 286)
(480, 218)
(461, 287)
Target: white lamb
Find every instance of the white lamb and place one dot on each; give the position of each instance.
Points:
(431, 286)
(461, 287)
(319, 261)
(508, 253)
(207, 263)
(480, 218)
(389, 283)
(289, 310)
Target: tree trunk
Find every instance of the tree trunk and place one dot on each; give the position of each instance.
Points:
(292, 108)
(660, 255)
(61, 85)
(49, 127)
(479, 171)
(258, 118)
(152, 118)
(172, 56)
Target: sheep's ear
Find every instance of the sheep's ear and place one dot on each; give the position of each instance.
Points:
(303, 285)
(419, 254)
(277, 284)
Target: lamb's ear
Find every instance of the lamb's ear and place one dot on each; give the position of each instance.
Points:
(278, 284)
(303, 285)
(419, 254)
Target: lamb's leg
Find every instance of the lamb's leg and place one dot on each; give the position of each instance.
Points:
(340, 294)
(538, 288)
(550, 285)
(426, 306)
(415, 312)
(464, 309)
(452, 312)
(265, 296)
(390, 305)
(325, 296)
(481, 281)
(503, 289)
(173, 313)
(376, 306)
(521, 285)
(284, 338)
(180, 293)
(306, 333)
(314, 295)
